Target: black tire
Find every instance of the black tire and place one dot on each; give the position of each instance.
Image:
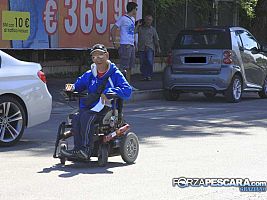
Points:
(62, 158)
(171, 95)
(263, 93)
(209, 95)
(102, 155)
(234, 92)
(129, 148)
(12, 130)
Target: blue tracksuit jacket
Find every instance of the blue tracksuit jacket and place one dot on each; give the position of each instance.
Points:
(116, 83)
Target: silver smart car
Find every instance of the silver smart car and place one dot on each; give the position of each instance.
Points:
(216, 60)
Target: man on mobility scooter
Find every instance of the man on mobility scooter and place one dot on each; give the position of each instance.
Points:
(103, 78)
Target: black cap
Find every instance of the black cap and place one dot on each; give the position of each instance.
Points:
(99, 47)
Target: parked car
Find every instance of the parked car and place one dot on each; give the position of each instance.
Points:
(24, 98)
(226, 60)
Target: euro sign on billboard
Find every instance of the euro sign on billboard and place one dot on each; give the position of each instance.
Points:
(44, 24)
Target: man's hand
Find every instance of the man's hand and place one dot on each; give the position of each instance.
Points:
(139, 23)
(113, 36)
(116, 45)
(69, 87)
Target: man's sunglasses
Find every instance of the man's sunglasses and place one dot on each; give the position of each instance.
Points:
(99, 56)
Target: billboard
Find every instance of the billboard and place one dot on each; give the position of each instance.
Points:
(44, 24)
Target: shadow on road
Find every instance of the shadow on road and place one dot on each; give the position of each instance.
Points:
(22, 145)
(191, 116)
(76, 168)
(196, 116)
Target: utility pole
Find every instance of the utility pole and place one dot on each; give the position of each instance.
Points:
(155, 14)
(186, 14)
(236, 13)
(216, 8)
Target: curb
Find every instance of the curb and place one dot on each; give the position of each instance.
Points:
(146, 95)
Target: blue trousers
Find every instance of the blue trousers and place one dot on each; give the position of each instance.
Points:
(146, 62)
(83, 127)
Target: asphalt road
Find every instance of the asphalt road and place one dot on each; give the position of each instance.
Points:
(192, 137)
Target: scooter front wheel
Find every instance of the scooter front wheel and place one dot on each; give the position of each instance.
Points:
(102, 155)
(129, 148)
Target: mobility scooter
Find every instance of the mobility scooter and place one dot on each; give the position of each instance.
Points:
(111, 136)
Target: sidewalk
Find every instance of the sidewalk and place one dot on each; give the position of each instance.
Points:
(146, 89)
(156, 82)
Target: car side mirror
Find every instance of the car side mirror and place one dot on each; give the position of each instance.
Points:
(254, 50)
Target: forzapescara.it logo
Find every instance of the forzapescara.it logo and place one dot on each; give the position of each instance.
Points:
(244, 184)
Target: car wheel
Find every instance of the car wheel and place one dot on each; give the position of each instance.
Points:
(209, 95)
(102, 155)
(129, 148)
(171, 95)
(12, 121)
(263, 93)
(234, 92)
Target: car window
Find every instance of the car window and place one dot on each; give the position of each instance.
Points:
(207, 39)
(0, 61)
(249, 42)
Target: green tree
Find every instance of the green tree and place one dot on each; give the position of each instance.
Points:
(249, 7)
(259, 23)
(247, 13)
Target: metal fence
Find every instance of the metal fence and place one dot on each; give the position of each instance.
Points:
(190, 13)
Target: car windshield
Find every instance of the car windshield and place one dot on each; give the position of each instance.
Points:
(204, 39)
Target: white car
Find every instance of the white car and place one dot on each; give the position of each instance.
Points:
(24, 98)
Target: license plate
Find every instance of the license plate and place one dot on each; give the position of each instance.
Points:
(195, 60)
